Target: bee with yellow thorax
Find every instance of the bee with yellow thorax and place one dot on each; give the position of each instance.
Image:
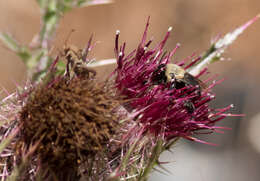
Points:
(178, 78)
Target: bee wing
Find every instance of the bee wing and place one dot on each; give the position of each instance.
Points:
(190, 79)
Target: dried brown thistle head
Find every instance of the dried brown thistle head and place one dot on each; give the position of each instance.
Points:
(72, 121)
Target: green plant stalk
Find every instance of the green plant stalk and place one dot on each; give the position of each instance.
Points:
(157, 150)
(8, 140)
(21, 168)
(128, 154)
(38, 60)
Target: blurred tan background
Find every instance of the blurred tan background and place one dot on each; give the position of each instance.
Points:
(194, 23)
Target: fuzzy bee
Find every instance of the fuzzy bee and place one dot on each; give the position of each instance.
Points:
(75, 63)
(178, 78)
(76, 60)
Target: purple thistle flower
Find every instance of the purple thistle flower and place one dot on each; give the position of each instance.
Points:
(139, 77)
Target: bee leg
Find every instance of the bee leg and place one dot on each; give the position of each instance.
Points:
(69, 65)
(67, 73)
(173, 81)
(198, 91)
(173, 85)
(94, 73)
(189, 106)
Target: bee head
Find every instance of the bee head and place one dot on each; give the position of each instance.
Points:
(158, 75)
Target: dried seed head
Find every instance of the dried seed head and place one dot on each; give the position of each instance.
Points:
(72, 121)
